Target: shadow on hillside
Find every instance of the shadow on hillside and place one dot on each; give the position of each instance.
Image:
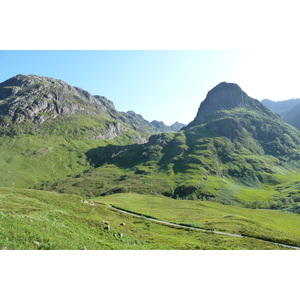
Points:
(119, 155)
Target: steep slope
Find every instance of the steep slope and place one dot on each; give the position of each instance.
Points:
(29, 104)
(47, 126)
(229, 112)
(293, 116)
(236, 151)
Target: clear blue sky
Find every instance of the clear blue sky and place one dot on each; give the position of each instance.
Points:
(162, 85)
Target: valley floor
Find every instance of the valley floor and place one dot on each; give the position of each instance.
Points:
(32, 219)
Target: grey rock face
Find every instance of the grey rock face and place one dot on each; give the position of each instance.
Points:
(38, 99)
(138, 122)
(111, 131)
(225, 96)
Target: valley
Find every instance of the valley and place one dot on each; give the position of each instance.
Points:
(66, 156)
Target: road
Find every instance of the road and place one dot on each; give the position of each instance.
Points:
(196, 228)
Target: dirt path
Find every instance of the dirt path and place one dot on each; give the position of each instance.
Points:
(196, 228)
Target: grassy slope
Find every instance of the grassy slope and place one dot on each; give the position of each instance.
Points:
(28, 160)
(57, 151)
(61, 221)
(267, 224)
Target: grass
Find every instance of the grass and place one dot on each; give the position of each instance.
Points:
(40, 220)
(262, 223)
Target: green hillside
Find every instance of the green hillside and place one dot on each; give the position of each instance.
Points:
(235, 167)
(271, 225)
(39, 220)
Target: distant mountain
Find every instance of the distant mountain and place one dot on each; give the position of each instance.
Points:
(138, 122)
(162, 127)
(281, 107)
(289, 110)
(177, 126)
(293, 116)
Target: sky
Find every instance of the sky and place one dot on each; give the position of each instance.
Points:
(163, 85)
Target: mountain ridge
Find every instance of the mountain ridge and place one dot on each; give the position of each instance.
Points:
(246, 147)
(32, 100)
(289, 109)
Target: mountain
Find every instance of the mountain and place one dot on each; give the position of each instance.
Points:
(233, 148)
(30, 103)
(281, 107)
(177, 126)
(138, 122)
(293, 116)
(47, 126)
(225, 97)
(237, 161)
(162, 127)
(57, 137)
(289, 110)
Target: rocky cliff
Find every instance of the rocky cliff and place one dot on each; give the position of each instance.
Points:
(29, 103)
(38, 99)
(225, 96)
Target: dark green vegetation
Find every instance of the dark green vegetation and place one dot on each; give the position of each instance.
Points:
(60, 138)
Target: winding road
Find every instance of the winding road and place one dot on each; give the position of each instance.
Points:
(196, 228)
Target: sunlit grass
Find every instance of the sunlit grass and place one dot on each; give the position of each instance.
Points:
(40, 220)
(263, 223)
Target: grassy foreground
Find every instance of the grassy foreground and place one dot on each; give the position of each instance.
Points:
(31, 219)
(267, 224)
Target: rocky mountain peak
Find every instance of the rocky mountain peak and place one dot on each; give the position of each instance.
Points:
(225, 96)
